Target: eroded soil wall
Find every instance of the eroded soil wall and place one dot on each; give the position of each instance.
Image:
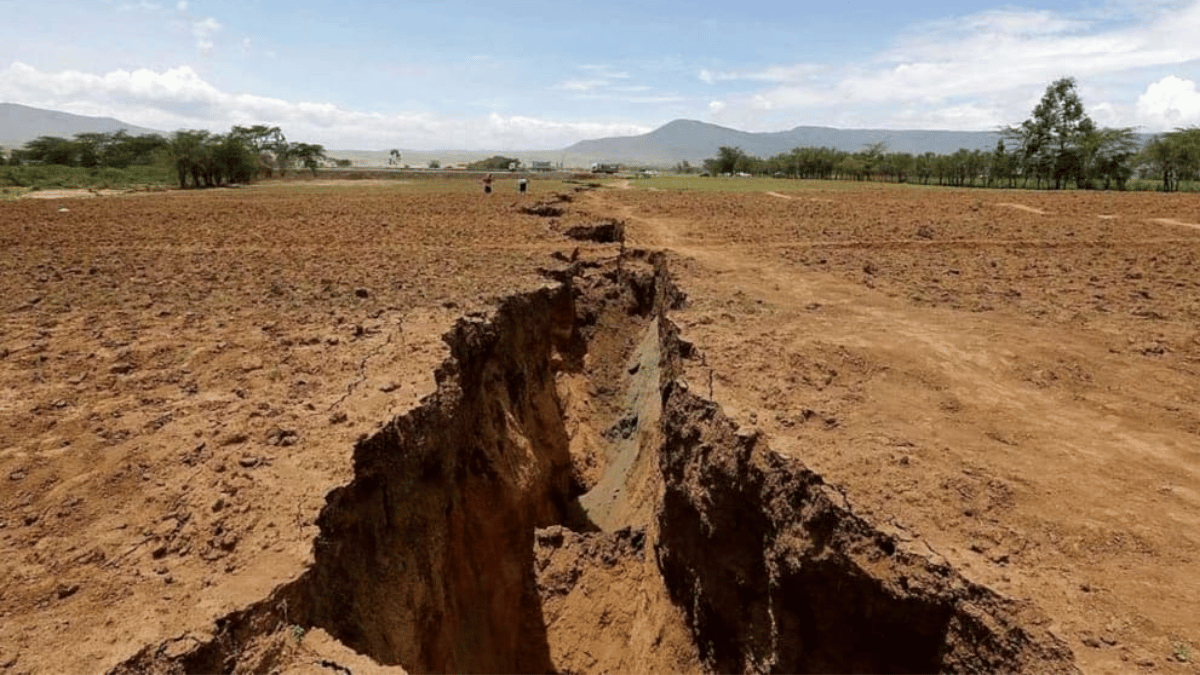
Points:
(776, 573)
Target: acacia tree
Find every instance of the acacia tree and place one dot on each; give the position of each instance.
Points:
(1107, 156)
(308, 154)
(266, 142)
(52, 150)
(1174, 155)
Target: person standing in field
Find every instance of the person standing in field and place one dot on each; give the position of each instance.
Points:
(523, 185)
(487, 184)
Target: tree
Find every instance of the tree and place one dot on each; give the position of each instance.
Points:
(727, 160)
(52, 150)
(871, 157)
(1107, 155)
(308, 154)
(1174, 156)
(268, 144)
(90, 147)
(394, 158)
(435, 164)
(188, 155)
(493, 163)
(1001, 168)
(233, 160)
(1052, 139)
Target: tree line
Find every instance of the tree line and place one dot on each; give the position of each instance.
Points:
(1057, 147)
(198, 158)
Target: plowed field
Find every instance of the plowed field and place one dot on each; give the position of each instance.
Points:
(1004, 381)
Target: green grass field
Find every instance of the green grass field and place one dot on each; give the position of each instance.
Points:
(759, 184)
(45, 177)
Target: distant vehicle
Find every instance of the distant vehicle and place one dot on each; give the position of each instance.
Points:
(541, 166)
(606, 168)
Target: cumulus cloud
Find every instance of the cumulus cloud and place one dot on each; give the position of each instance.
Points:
(180, 98)
(980, 70)
(1169, 103)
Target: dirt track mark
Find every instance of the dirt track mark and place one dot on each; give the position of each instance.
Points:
(781, 196)
(1021, 207)
(1172, 221)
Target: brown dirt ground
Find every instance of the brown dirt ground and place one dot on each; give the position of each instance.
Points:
(182, 377)
(1016, 387)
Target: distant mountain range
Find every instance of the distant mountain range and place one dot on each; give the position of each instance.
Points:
(20, 124)
(696, 141)
(693, 141)
(674, 142)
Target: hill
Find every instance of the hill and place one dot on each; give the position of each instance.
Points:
(695, 141)
(20, 124)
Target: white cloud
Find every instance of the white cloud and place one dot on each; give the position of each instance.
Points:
(180, 98)
(1169, 103)
(606, 71)
(182, 5)
(602, 84)
(203, 31)
(142, 5)
(981, 70)
(582, 85)
(792, 73)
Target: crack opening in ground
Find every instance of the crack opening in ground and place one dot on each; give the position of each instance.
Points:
(564, 503)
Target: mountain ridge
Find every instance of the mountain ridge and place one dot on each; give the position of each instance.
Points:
(694, 141)
(20, 124)
(676, 141)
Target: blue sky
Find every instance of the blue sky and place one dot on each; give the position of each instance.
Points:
(534, 74)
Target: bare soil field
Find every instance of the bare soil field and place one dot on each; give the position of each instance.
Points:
(381, 428)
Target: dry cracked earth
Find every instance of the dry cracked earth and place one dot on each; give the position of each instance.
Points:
(374, 428)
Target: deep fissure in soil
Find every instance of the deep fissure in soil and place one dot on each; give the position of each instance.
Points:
(563, 502)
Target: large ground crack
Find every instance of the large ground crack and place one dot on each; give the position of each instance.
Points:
(564, 502)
